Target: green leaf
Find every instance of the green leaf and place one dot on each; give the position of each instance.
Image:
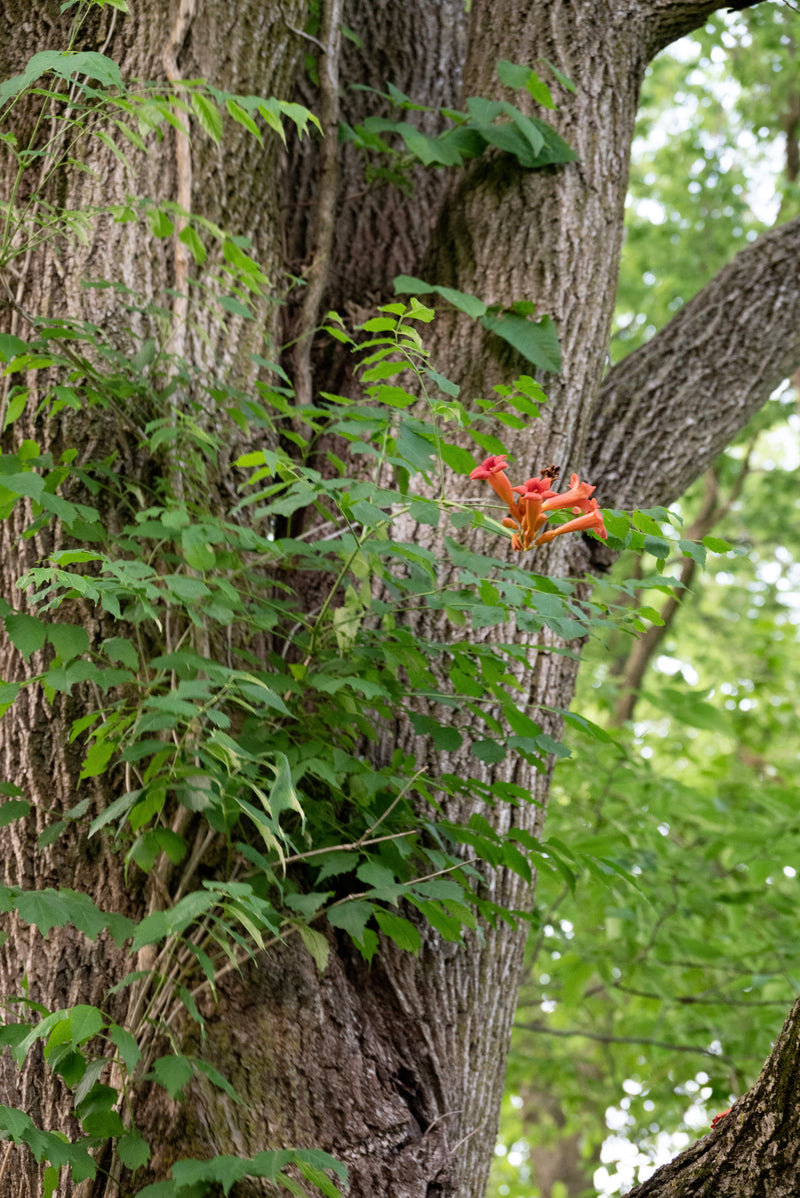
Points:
(115, 149)
(13, 809)
(173, 1073)
(119, 807)
(398, 929)
(689, 709)
(63, 64)
(425, 512)
(546, 744)
(26, 633)
(448, 927)
(659, 548)
(561, 77)
(517, 77)
(217, 1079)
(63, 678)
(171, 843)
(717, 544)
(120, 649)
(10, 347)
(458, 459)
(160, 224)
(375, 874)
(416, 450)
(174, 921)
(208, 116)
(489, 751)
(68, 640)
(282, 794)
(444, 384)
(196, 549)
(134, 1151)
(49, 908)
(96, 1112)
(470, 304)
(512, 75)
(85, 1022)
(239, 114)
(186, 588)
(221, 1170)
(126, 1045)
(446, 739)
(316, 944)
(352, 917)
(535, 340)
(16, 406)
(45, 909)
(334, 864)
(693, 550)
(236, 308)
(393, 397)
(319, 1179)
(45, 1145)
(191, 239)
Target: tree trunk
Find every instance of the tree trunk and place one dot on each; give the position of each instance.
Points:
(397, 1069)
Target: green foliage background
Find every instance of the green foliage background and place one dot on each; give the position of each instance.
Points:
(661, 1002)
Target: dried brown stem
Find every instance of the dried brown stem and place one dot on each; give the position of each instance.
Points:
(183, 162)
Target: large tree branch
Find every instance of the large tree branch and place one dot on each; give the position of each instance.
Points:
(675, 18)
(665, 412)
(754, 1149)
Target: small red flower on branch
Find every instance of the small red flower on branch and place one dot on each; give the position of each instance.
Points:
(530, 512)
(492, 468)
(592, 521)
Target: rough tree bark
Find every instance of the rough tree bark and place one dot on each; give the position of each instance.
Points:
(398, 1069)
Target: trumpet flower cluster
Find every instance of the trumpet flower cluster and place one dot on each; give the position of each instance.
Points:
(530, 505)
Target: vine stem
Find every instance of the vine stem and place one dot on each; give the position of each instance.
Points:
(330, 41)
(6, 1155)
(183, 162)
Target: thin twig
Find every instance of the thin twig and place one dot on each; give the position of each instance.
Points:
(603, 1039)
(302, 33)
(382, 818)
(468, 1136)
(350, 847)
